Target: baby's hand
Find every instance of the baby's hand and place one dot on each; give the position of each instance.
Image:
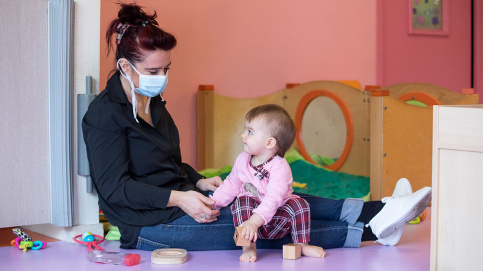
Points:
(249, 231)
(209, 184)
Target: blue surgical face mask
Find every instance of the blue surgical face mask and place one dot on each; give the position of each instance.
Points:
(149, 86)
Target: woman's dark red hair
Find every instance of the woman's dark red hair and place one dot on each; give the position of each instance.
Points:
(143, 34)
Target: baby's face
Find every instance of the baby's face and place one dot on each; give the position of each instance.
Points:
(255, 137)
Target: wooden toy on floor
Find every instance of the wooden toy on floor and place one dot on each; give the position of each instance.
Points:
(240, 241)
(169, 256)
(292, 251)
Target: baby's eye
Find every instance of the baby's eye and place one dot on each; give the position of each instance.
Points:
(250, 132)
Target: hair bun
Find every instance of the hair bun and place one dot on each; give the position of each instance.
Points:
(134, 32)
(134, 15)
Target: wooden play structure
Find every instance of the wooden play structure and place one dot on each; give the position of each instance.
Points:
(384, 137)
(401, 134)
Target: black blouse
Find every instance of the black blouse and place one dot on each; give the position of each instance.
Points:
(134, 166)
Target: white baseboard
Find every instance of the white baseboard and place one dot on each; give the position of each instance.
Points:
(66, 233)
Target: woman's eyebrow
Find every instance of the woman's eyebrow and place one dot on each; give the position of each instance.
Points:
(159, 68)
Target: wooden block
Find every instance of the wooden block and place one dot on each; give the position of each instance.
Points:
(169, 256)
(292, 251)
(239, 241)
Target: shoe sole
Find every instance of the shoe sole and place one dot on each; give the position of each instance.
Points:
(409, 216)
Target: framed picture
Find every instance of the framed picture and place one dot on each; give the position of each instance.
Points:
(429, 17)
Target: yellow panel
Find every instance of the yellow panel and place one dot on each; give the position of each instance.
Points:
(407, 144)
(353, 83)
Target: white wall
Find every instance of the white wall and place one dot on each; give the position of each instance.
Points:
(86, 63)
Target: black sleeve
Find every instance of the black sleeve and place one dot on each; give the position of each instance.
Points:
(193, 176)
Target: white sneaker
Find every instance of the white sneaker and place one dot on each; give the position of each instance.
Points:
(398, 211)
(392, 239)
(403, 188)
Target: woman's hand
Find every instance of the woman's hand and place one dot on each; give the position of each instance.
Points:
(209, 184)
(195, 205)
(250, 227)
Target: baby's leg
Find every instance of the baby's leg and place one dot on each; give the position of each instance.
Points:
(300, 226)
(241, 210)
(249, 253)
(312, 251)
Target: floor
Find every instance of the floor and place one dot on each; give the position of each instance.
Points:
(411, 253)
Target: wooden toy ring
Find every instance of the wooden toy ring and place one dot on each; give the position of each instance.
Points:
(169, 256)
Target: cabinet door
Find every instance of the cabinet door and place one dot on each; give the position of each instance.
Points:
(24, 114)
(457, 212)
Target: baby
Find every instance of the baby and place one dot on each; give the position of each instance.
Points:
(261, 180)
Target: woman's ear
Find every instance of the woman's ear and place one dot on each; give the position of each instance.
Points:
(125, 66)
(271, 143)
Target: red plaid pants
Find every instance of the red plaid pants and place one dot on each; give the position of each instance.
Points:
(293, 217)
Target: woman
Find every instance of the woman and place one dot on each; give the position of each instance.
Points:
(158, 201)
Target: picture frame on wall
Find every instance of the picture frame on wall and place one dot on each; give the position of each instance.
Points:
(429, 17)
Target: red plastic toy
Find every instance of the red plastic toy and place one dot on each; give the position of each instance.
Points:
(92, 245)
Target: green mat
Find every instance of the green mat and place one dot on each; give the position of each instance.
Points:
(314, 179)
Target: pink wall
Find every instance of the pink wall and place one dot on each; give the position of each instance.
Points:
(440, 60)
(251, 48)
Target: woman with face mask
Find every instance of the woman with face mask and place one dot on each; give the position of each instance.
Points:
(132, 141)
(155, 199)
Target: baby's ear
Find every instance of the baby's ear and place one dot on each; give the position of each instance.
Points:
(271, 143)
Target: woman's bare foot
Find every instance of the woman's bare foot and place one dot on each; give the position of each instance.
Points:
(249, 253)
(312, 251)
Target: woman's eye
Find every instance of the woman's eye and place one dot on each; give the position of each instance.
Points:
(166, 70)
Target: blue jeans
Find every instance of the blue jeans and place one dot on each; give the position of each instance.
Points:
(333, 225)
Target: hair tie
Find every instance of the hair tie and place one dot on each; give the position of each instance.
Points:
(121, 28)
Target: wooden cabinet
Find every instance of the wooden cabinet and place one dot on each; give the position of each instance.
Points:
(457, 210)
